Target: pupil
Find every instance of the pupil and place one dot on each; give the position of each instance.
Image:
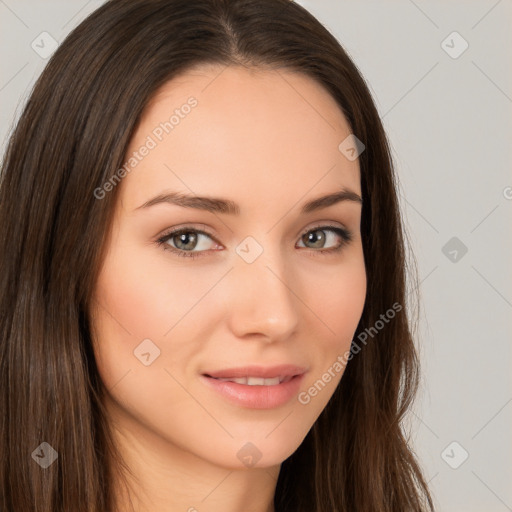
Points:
(185, 236)
(314, 238)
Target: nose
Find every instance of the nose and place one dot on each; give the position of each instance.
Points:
(261, 300)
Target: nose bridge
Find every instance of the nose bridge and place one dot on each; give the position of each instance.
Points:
(262, 298)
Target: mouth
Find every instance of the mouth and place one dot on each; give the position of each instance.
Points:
(255, 381)
(253, 375)
(256, 387)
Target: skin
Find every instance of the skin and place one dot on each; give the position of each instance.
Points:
(267, 140)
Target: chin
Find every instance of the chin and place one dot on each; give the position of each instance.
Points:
(258, 451)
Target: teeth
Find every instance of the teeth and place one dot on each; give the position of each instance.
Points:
(257, 381)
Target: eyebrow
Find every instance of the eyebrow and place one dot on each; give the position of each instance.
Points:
(226, 206)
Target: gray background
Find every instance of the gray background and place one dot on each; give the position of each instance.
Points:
(449, 121)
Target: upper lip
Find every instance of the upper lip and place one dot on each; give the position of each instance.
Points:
(266, 372)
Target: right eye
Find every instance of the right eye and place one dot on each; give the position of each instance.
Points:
(183, 241)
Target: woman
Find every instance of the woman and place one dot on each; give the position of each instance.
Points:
(267, 370)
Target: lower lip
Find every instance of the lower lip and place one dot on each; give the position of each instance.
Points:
(256, 397)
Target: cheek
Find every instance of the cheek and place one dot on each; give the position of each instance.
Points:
(138, 305)
(146, 295)
(138, 298)
(342, 306)
(337, 302)
(336, 296)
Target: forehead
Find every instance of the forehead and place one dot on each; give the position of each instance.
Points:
(255, 134)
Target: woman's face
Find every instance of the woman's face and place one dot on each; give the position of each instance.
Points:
(260, 292)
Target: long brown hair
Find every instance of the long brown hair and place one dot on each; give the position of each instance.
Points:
(71, 139)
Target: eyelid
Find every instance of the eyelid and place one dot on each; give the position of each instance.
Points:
(324, 224)
(197, 228)
(203, 228)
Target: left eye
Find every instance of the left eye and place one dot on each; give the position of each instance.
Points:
(183, 241)
(312, 236)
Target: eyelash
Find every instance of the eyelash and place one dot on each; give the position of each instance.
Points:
(346, 237)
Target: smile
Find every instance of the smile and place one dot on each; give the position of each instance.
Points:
(256, 387)
(257, 381)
